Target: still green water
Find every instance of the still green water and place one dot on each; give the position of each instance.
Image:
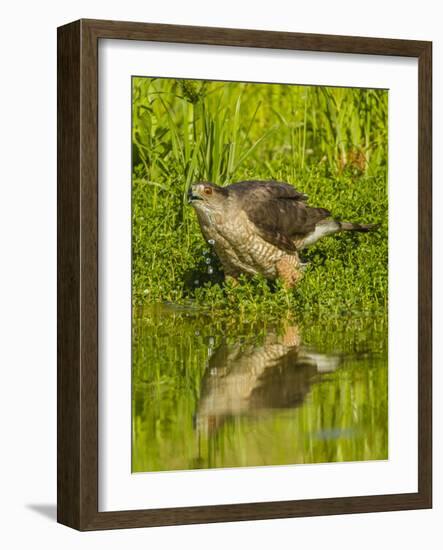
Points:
(213, 393)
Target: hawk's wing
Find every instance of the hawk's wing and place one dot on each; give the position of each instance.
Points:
(278, 211)
(262, 190)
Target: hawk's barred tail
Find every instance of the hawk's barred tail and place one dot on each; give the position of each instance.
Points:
(362, 227)
(331, 226)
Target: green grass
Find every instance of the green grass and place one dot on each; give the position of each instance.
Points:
(330, 143)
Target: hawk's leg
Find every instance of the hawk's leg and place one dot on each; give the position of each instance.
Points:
(289, 270)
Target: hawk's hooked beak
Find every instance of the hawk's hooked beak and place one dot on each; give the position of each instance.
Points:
(192, 196)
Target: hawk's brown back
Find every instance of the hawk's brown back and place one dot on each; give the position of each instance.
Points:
(277, 210)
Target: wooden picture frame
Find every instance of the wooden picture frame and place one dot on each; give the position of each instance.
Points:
(78, 244)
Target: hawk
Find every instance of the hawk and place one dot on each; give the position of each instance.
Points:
(259, 227)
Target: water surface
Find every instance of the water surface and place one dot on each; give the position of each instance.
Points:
(211, 393)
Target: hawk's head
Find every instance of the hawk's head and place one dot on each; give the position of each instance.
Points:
(207, 196)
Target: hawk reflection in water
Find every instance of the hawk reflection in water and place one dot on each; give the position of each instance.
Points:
(250, 379)
(259, 227)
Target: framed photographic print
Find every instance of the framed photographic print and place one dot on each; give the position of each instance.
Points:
(244, 274)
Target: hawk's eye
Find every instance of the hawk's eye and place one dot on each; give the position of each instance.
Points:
(207, 191)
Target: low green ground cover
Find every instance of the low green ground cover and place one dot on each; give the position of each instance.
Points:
(330, 143)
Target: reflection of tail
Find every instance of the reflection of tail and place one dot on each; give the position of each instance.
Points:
(325, 363)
